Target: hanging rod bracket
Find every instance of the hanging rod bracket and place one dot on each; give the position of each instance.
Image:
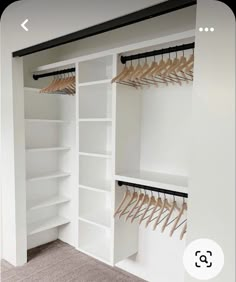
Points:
(182, 47)
(154, 189)
(53, 73)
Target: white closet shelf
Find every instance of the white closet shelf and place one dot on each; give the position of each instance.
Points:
(47, 120)
(32, 89)
(103, 81)
(46, 224)
(95, 120)
(43, 149)
(104, 189)
(101, 185)
(100, 219)
(56, 200)
(177, 183)
(93, 222)
(56, 174)
(97, 154)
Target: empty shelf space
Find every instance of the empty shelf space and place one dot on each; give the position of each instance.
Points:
(44, 149)
(96, 82)
(95, 120)
(177, 183)
(56, 200)
(97, 154)
(106, 188)
(100, 219)
(56, 174)
(46, 224)
(94, 70)
(94, 241)
(95, 101)
(47, 120)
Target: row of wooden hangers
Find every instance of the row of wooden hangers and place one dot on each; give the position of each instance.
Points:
(137, 205)
(165, 71)
(61, 84)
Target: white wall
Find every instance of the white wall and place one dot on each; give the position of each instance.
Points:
(211, 211)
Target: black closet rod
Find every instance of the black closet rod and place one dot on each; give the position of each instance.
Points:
(53, 73)
(182, 47)
(154, 189)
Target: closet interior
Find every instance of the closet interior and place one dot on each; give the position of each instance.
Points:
(99, 128)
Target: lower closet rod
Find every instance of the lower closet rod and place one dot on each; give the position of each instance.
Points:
(154, 189)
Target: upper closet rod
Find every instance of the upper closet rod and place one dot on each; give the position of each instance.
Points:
(155, 189)
(182, 47)
(53, 73)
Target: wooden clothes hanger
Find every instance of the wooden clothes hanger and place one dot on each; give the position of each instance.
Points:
(143, 202)
(139, 200)
(150, 206)
(183, 208)
(134, 196)
(184, 230)
(172, 208)
(125, 198)
(47, 89)
(164, 207)
(157, 205)
(116, 78)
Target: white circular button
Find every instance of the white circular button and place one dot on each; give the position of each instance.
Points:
(203, 259)
(206, 29)
(200, 29)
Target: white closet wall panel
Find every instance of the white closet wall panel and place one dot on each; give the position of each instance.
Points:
(125, 235)
(165, 133)
(48, 106)
(95, 130)
(41, 238)
(95, 70)
(128, 129)
(95, 101)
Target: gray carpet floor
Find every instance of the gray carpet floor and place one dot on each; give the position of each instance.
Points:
(60, 262)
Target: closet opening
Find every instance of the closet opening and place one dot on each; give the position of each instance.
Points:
(86, 131)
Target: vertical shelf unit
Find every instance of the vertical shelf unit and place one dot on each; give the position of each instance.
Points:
(49, 141)
(95, 157)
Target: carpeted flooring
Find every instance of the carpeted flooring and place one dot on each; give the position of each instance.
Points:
(59, 262)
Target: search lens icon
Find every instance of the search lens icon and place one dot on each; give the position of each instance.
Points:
(203, 258)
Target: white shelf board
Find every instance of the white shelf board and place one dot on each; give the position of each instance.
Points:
(56, 174)
(84, 219)
(95, 120)
(104, 189)
(100, 219)
(102, 185)
(31, 89)
(47, 120)
(56, 200)
(97, 155)
(44, 149)
(46, 224)
(104, 81)
(177, 183)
